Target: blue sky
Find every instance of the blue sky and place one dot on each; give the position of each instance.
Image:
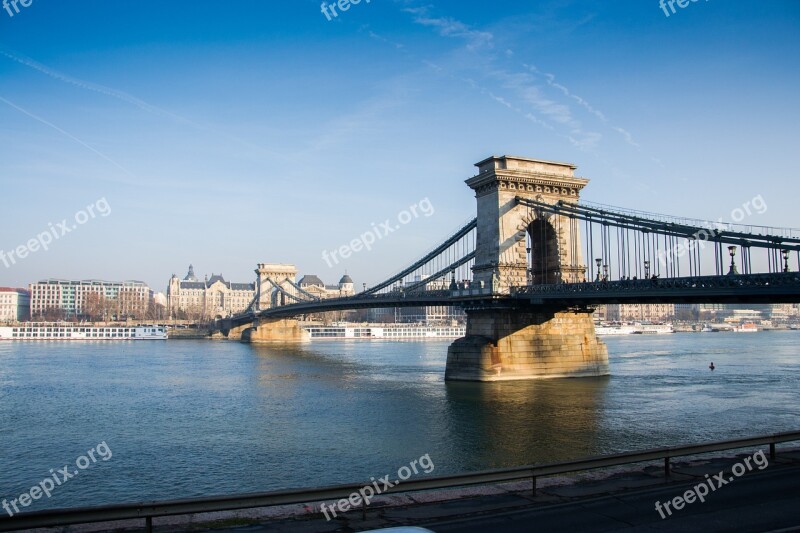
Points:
(227, 134)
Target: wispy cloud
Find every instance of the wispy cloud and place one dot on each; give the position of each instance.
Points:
(449, 27)
(627, 136)
(551, 81)
(124, 97)
(533, 94)
(374, 35)
(70, 136)
(89, 86)
(357, 123)
(559, 113)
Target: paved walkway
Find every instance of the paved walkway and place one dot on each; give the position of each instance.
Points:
(606, 500)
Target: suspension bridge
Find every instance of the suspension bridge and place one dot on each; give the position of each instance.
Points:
(531, 266)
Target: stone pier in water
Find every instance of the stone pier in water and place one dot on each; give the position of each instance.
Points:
(275, 330)
(516, 246)
(513, 344)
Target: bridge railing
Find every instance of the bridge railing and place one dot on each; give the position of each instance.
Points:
(148, 510)
(740, 281)
(470, 292)
(399, 293)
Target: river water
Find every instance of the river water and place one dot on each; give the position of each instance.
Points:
(197, 418)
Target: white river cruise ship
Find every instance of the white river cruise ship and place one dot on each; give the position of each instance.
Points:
(64, 332)
(394, 331)
(633, 329)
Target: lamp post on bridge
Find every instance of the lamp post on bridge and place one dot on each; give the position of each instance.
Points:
(647, 269)
(528, 269)
(785, 260)
(732, 271)
(599, 263)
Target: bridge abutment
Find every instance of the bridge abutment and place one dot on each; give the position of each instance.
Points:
(512, 345)
(280, 330)
(236, 334)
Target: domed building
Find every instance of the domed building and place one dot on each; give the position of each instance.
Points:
(346, 284)
(313, 285)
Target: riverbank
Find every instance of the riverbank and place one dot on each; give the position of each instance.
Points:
(559, 498)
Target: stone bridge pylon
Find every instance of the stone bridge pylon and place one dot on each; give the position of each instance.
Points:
(275, 330)
(516, 246)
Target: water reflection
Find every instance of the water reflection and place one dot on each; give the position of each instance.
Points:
(525, 422)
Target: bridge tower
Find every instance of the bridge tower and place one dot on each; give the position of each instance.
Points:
(506, 231)
(275, 330)
(517, 246)
(268, 296)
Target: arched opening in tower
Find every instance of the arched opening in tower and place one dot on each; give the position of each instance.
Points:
(542, 247)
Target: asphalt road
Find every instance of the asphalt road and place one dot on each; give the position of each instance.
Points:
(759, 500)
(763, 501)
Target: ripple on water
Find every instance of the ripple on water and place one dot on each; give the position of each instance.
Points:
(189, 418)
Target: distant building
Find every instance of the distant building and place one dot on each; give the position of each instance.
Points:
(639, 312)
(783, 311)
(160, 298)
(213, 297)
(437, 314)
(15, 304)
(90, 299)
(278, 285)
(714, 308)
(601, 314)
(313, 285)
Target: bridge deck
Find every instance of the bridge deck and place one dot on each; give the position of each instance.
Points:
(746, 288)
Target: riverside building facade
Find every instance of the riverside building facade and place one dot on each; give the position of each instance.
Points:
(207, 299)
(89, 299)
(15, 304)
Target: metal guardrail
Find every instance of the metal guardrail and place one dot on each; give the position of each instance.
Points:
(739, 281)
(472, 292)
(764, 288)
(770, 288)
(147, 511)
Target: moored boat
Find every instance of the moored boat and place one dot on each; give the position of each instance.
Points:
(394, 331)
(70, 332)
(654, 329)
(747, 327)
(633, 329)
(614, 329)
